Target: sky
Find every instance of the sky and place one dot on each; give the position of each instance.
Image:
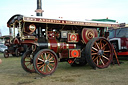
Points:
(68, 9)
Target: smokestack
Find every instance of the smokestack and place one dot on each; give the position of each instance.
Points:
(39, 10)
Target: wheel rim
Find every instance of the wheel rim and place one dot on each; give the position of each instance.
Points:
(46, 63)
(17, 52)
(101, 53)
(27, 63)
(6, 54)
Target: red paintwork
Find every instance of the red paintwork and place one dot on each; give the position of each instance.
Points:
(28, 41)
(16, 41)
(124, 42)
(63, 54)
(51, 35)
(88, 34)
(74, 53)
(73, 37)
(58, 47)
(122, 53)
(53, 45)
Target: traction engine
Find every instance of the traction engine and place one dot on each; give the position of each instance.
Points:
(50, 40)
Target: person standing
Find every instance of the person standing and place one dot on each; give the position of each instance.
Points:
(0, 61)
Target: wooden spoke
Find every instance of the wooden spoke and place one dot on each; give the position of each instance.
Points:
(51, 64)
(100, 44)
(49, 67)
(40, 63)
(28, 58)
(93, 53)
(27, 61)
(105, 57)
(105, 54)
(95, 49)
(48, 56)
(41, 66)
(46, 68)
(101, 61)
(107, 51)
(97, 45)
(28, 64)
(104, 46)
(52, 61)
(95, 58)
(40, 59)
(45, 56)
(51, 58)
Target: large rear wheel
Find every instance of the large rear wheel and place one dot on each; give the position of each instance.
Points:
(99, 53)
(45, 62)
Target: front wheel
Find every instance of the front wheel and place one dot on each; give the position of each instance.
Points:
(45, 62)
(27, 62)
(99, 53)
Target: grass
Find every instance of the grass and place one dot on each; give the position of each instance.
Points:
(11, 73)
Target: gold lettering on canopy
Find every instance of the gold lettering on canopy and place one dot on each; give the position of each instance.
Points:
(32, 19)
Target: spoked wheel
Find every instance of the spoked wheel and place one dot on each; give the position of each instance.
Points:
(45, 62)
(6, 53)
(27, 62)
(17, 52)
(99, 53)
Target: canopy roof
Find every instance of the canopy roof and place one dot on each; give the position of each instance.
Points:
(6, 36)
(36, 19)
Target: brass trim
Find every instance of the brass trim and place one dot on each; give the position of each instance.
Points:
(74, 45)
(58, 44)
(32, 29)
(67, 46)
(89, 31)
(13, 30)
(49, 45)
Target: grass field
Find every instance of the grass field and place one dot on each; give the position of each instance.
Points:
(11, 73)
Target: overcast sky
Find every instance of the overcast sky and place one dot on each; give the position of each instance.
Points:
(68, 9)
